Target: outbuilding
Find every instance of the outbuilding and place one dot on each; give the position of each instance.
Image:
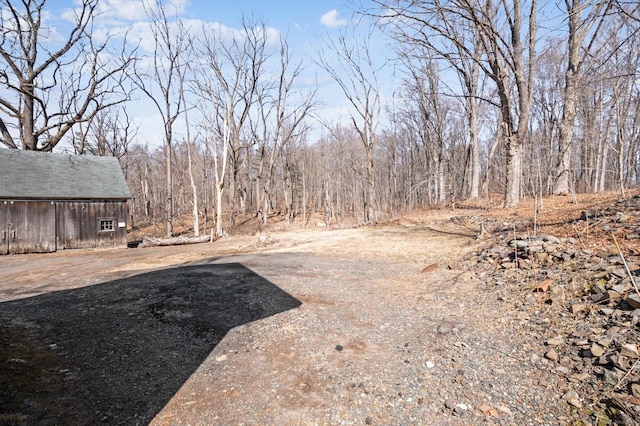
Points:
(52, 202)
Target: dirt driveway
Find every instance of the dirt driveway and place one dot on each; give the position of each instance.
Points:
(305, 327)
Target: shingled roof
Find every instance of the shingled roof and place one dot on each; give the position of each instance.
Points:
(47, 176)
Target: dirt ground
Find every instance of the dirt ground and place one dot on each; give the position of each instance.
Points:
(306, 326)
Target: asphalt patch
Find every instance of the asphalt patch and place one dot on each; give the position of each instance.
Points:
(116, 352)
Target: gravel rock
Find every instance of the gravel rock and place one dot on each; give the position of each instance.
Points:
(635, 390)
(555, 341)
(370, 339)
(572, 398)
(552, 355)
(629, 350)
(633, 300)
(589, 319)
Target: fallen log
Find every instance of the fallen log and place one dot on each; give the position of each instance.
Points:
(173, 241)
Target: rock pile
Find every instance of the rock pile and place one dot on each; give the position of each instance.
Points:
(581, 299)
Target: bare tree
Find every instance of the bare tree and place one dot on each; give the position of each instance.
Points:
(282, 118)
(161, 83)
(80, 73)
(606, 110)
(228, 80)
(585, 21)
(189, 142)
(110, 133)
(429, 115)
(507, 36)
(218, 142)
(458, 48)
(545, 118)
(622, 63)
(505, 62)
(349, 61)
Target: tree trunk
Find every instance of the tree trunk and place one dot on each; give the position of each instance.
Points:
(602, 172)
(568, 120)
(145, 193)
(233, 187)
(564, 164)
(169, 201)
(620, 146)
(259, 191)
(194, 190)
(566, 136)
(370, 214)
(441, 185)
(288, 199)
(304, 196)
(265, 203)
(472, 104)
(513, 172)
(29, 138)
(489, 168)
(219, 190)
(474, 156)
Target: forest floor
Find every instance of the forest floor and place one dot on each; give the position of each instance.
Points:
(411, 321)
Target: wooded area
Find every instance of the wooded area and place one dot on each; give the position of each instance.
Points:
(510, 97)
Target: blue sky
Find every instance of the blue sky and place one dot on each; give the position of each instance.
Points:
(302, 15)
(304, 22)
(301, 20)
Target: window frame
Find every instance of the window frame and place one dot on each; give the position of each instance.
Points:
(103, 223)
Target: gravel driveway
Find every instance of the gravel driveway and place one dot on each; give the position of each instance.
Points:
(307, 327)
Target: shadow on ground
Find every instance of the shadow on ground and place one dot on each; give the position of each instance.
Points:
(115, 353)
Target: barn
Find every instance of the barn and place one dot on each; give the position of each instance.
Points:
(52, 202)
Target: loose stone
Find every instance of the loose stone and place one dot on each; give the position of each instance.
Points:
(629, 350)
(551, 355)
(572, 398)
(597, 350)
(555, 341)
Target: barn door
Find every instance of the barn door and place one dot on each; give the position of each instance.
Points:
(5, 228)
(27, 227)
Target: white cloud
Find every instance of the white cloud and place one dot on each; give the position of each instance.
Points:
(109, 10)
(123, 9)
(332, 19)
(129, 10)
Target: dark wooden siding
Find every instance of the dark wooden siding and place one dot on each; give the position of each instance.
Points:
(27, 227)
(46, 226)
(78, 224)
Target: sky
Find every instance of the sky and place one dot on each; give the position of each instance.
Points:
(304, 22)
(307, 24)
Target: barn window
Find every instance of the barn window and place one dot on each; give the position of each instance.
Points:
(107, 225)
